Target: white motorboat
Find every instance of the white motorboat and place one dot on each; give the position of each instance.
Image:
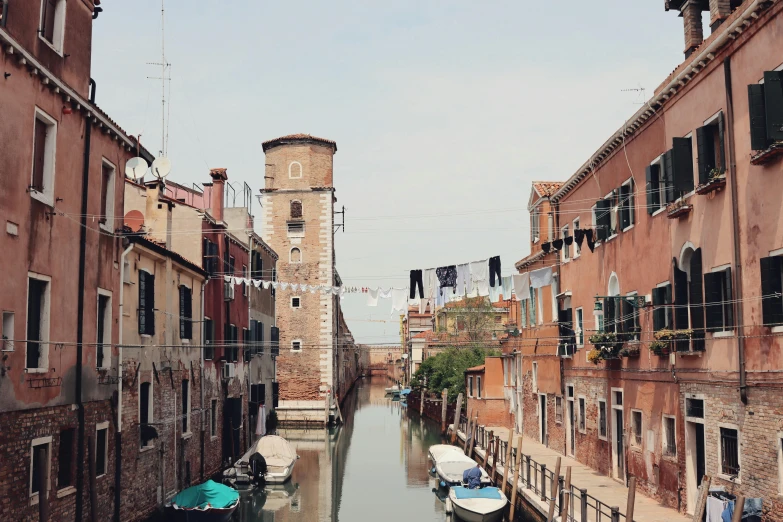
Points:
(450, 467)
(437, 451)
(477, 505)
(279, 456)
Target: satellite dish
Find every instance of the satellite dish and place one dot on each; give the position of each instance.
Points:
(134, 220)
(135, 168)
(161, 167)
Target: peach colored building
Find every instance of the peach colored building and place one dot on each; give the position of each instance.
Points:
(681, 376)
(486, 398)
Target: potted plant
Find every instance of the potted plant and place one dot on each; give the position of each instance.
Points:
(678, 208)
(594, 356)
(630, 351)
(666, 338)
(608, 344)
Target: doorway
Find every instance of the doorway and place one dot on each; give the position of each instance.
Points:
(618, 436)
(571, 428)
(542, 418)
(232, 429)
(695, 459)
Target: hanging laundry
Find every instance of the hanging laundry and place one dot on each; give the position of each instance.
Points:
(430, 283)
(545, 247)
(715, 508)
(227, 279)
(579, 236)
(238, 280)
(266, 284)
(494, 270)
(590, 240)
(463, 279)
(294, 287)
(494, 294)
(522, 286)
(257, 283)
(335, 290)
(314, 288)
(416, 282)
(424, 304)
(479, 270)
(506, 289)
(568, 240)
(283, 286)
(384, 294)
(482, 287)
(274, 284)
(557, 244)
(399, 299)
(447, 276)
(541, 277)
(261, 421)
(372, 297)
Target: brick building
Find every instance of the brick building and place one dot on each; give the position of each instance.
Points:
(684, 280)
(298, 222)
(486, 397)
(61, 161)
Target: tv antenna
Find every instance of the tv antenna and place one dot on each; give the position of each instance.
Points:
(164, 77)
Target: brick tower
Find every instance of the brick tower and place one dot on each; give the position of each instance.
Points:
(297, 219)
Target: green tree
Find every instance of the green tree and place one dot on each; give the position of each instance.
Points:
(447, 369)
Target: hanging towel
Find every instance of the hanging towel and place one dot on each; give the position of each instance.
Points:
(557, 244)
(423, 304)
(384, 294)
(257, 283)
(541, 277)
(506, 289)
(579, 236)
(545, 247)
(238, 280)
(399, 299)
(590, 241)
(463, 279)
(522, 285)
(261, 421)
(483, 288)
(447, 276)
(372, 297)
(479, 270)
(494, 293)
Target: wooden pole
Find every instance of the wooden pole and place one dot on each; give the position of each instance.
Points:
(43, 485)
(467, 436)
(631, 499)
(555, 490)
(93, 490)
(326, 408)
(739, 507)
(473, 438)
(487, 451)
(421, 405)
(701, 502)
(506, 467)
(515, 484)
(567, 496)
(457, 413)
(495, 460)
(444, 408)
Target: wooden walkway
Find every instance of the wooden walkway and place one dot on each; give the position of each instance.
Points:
(605, 489)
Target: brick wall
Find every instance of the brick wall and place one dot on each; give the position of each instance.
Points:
(491, 412)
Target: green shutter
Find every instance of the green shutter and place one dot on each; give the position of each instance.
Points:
(705, 143)
(773, 100)
(758, 117)
(682, 164)
(713, 290)
(771, 288)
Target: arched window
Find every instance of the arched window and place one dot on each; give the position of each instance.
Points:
(689, 297)
(294, 169)
(296, 209)
(296, 255)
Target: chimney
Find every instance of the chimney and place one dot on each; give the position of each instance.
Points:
(158, 213)
(694, 32)
(216, 199)
(719, 11)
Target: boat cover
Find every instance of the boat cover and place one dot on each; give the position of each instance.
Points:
(406, 391)
(208, 494)
(276, 450)
(465, 493)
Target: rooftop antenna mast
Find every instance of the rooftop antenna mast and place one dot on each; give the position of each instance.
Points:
(163, 79)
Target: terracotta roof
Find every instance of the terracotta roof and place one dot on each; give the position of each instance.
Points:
(423, 335)
(476, 369)
(282, 140)
(547, 188)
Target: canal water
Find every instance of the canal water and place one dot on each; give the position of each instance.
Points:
(373, 468)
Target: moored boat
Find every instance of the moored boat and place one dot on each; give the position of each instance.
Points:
(478, 505)
(451, 466)
(207, 502)
(271, 452)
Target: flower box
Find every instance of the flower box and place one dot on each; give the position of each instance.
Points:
(666, 341)
(677, 210)
(630, 351)
(717, 182)
(606, 346)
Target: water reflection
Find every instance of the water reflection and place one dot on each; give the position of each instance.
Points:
(372, 468)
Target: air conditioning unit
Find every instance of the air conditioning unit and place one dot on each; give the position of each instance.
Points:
(228, 370)
(228, 291)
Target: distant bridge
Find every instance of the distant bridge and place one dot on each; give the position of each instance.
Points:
(377, 369)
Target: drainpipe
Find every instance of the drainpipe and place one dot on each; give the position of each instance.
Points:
(118, 435)
(4, 19)
(80, 313)
(738, 308)
(203, 409)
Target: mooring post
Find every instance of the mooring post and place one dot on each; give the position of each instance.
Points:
(467, 436)
(631, 499)
(495, 460)
(615, 514)
(739, 507)
(555, 487)
(515, 484)
(444, 408)
(487, 450)
(507, 462)
(543, 482)
(457, 413)
(567, 497)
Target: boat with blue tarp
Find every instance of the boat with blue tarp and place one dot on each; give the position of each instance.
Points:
(207, 502)
(477, 505)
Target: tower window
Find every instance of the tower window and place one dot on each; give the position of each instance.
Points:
(295, 170)
(296, 209)
(296, 255)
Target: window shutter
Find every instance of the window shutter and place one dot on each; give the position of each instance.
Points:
(669, 310)
(227, 342)
(628, 316)
(722, 141)
(625, 206)
(758, 117)
(275, 340)
(651, 177)
(602, 218)
(183, 334)
(260, 337)
(668, 177)
(39, 155)
(205, 254)
(658, 310)
(706, 151)
(680, 298)
(682, 168)
(50, 9)
(150, 304)
(771, 283)
(142, 302)
(729, 306)
(713, 282)
(773, 100)
(697, 301)
(275, 393)
(189, 312)
(609, 316)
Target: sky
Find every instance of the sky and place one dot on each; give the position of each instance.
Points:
(443, 112)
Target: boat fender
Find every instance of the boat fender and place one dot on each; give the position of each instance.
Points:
(442, 484)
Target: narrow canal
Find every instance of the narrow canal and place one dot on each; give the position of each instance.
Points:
(374, 468)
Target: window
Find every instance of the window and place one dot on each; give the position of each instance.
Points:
(38, 302)
(107, 196)
(103, 348)
(296, 255)
(44, 144)
(185, 312)
(245, 286)
(630, 317)
(296, 229)
(566, 247)
(145, 413)
(209, 256)
(460, 323)
(535, 377)
(678, 168)
(765, 103)
(256, 265)
(53, 23)
(146, 303)
(7, 344)
(627, 217)
(231, 351)
(662, 311)
(580, 333)
(605, 213)
(558, 410)
(101, 448)
(231, 264)
(258, 337)
(689, 299)
(185, 406)
(209, 339)
(694, 408)
(213, 418)
(65, 458)
(470, 386)
(657, 195)
(296, 302)
(711, 149)
(40, 457)
(295, 170)
(577, 248)
(570, 390)
(582, 415)
(729, 452)
(618, 398)
(602, 419)
(535, 226)
(669, 437)
(771, 290)
(246, 344)
(636, 428)
(540, 306)
(296, 346)
(718, 307)
(478, 386)
(296, 209)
